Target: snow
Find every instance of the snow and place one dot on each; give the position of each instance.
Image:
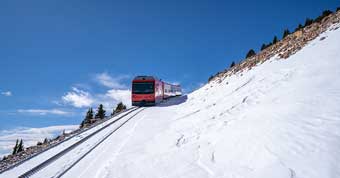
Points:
(72, 156)
(280, 119)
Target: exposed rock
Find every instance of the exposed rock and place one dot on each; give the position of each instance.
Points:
(288, 46)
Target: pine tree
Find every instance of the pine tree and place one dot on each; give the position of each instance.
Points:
(299, 27)
(210, 78)
(82, 124)
(264, 46)
(45, 141)
(20, 146)
(250, 53)
(100, 112)
(338, 9)
(89, 116)
(15, 148)
(326, 13)
(323, 15)
(113, 112)
(275, 40)
(308, 22)
(87, 119)
(286, 32)
(232, 64)
(120, 107)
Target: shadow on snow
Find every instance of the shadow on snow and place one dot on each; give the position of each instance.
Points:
(173, 101)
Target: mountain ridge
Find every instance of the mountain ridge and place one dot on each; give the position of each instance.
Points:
(286, 47)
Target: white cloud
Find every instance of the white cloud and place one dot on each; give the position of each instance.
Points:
(30, 136)
(44, 111)
(7, 93)
(111, 98)
(78, 98)
(119, 92)
(120, 96)
(174, 82)
(111, 82)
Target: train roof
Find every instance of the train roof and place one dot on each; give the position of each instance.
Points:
(151, 78)
(145, 78)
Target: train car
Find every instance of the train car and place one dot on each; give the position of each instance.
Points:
(178, 90)
(167, 91)
(149, 90)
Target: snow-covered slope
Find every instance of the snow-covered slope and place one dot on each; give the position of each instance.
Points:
(280, 119)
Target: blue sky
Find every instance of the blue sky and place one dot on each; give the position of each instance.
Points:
(59, 57)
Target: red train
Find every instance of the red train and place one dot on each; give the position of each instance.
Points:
(149, 90)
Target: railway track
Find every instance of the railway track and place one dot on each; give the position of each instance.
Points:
(61, 142)
(80, 148)
(108, 135)
(71, 156)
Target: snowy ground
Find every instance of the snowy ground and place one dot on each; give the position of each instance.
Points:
(279, 120)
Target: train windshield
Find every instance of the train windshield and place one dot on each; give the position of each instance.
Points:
(143, 88)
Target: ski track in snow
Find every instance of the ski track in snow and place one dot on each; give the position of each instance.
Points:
(203, 166)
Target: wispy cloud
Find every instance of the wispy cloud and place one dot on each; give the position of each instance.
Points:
(30, 136)
(109, 99)
(114, 96)
(78, 98)
(118, 92)
(44, 111)
(175, 82)
(6, 93)
(112, 82)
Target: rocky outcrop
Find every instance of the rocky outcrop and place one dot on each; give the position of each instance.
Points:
(286, 47)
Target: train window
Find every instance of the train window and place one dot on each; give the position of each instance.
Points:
(143, 88)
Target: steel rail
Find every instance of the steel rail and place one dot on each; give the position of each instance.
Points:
(95, 146)
(68, 149)
(54, 145)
